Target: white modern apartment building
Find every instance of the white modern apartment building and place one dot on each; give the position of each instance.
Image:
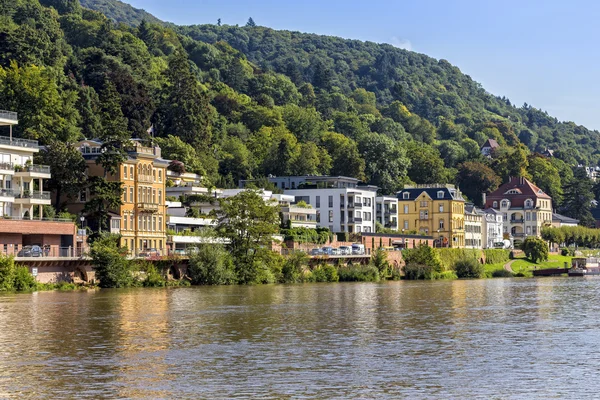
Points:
(473, 227)
(386, 211)
(341, 203)
(22, 192)
(491, 230)
(299, 215)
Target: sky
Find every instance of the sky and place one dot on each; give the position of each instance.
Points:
(544, 53)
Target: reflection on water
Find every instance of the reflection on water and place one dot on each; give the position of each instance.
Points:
(502, 338)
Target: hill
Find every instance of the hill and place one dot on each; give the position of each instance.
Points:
(121, 12)
(245, 102)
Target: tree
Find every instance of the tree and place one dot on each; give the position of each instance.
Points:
(474, 179)
(546, 177)
(535, 249)
(578, 197)
(68, 169)
(114, 133)
(386, 162)
(113, 269)
(105, 196)
(469, 268)
(173, 148)
(311, 160)
(426, 166)
(250, 23)
(248, 222)
(211, 265)
(294, 266)
(423, 255)
(218, 21)
(345, 157)
(184, 110)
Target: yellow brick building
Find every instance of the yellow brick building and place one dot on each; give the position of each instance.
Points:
(436, 210)
(141, 218)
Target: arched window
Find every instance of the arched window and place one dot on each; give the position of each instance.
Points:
(505, 204)
(495, 204)
(528, 203)
(441, 226)
(131, 172)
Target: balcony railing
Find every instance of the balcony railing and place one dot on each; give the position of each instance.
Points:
(35, 194)
(42, 169)
(26, 219)
(5, 140)
(8, 193)
(145, 178)
(517, 220)
(153, 207)
(8, 115)
(6, 166)
(40, 252)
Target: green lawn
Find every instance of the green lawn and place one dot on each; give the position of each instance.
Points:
(489, 268)
(526, 267)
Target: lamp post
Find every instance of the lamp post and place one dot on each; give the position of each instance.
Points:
(82, 218)
(439, 239)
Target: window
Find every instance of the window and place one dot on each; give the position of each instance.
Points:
(160, 224)
(534, 230)
(125, 220)
(154, 196)
(424, 214)
(318, 201)
(330, 201)
(528, 203)
(495, 204)
(330, 215)
(357, 199)
(83, 196)
(528, 216)
(131, 194)
(441, 224)
(131, 224)
(131, 172)
(528, 230)
(357, 214)
(405, 224)
(505, 204)
(534, 216)
(125, 195)
(440, 194)
(154, 223)
(160, 197)
(160, 175)
(405, 195)
(441, 207)
(124, 171)
(358, 228)
(406, 209)
(424, 203)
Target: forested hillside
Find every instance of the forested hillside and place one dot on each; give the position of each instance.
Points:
(244, 102)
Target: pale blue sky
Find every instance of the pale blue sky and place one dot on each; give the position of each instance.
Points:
(544, 53)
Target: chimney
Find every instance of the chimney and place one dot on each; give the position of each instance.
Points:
(483, 198)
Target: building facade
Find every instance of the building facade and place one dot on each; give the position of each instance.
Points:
(436, 210)
(341, 203)
(386, 211)
(473, 227)
(142, 215)
(22, 192)
(525, 208)
(492, 228)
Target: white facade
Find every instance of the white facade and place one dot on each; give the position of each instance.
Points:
(341, 209)
(299, 216)
(386, 211)
(473, 227)
(21, 182)
(492, 228)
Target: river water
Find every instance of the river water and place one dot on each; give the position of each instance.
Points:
(500, 338)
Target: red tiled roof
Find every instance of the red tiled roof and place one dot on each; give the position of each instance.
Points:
(528, 191)
(492, 143)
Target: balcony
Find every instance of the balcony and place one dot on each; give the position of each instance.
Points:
(9, 116)
(145, 178)
(517, 221)
(8, 194)
(7, 168)
(147, 207)
(355, 205)
(31, 144)
(32, 171)
(32, 197)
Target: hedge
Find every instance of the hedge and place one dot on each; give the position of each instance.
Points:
(451, 256)
(496, 256)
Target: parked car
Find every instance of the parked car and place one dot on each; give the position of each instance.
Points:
(31, 251)
(316, 252)
(149, 253)
(345, 250)
(335, 252)
(358, 249)
(328, 251)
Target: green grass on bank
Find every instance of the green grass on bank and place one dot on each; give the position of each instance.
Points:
(526, 267)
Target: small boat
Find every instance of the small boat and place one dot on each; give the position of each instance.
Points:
(584, 266)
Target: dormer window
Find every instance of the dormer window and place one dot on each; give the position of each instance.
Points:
(406, 195)
(440, 194)
(528, 203)
(495, 204)
(505, 204)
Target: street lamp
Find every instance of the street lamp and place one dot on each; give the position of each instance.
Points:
(82, 218)
(439, 239)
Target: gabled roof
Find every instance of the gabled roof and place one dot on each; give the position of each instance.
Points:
(527, 189)
(491, 143)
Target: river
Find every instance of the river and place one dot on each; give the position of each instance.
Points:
(494, 338)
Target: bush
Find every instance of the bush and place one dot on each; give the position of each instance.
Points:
(502, 273)
(380, 262)
(212, 265)
(423, 255)
(14, 276)
(113, 270)
(415, 271)
(535, 249)
(325, 273)
(468, 268)
(496, 256)
(293, 267)
(358, 273)
(565, 251)
(23, 280)
(153, 278)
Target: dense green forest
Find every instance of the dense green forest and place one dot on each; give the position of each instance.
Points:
(244, 102)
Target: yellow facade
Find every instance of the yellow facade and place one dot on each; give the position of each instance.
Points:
(443, 218)
(143, 212)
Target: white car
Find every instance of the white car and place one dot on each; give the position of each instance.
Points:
(345, 250)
